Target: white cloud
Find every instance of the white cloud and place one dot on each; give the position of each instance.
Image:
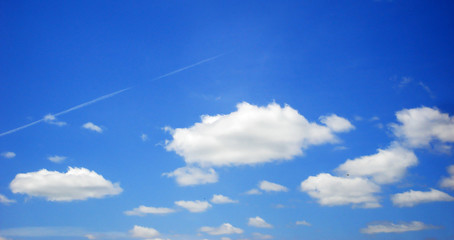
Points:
(90, 236)
(331, 191)
(387, 166)
(303, 222)
(220, 199)
(258, 222)
(144, 137)
(5, 200)
(51, 119)
(75, 184)
(143, 232)
(389, 227)
(190, 176)
(225, 228)
(92, 127)
(56, 158)
(336, 123)
(143, 210)
(194, 206)
(272, 187)
(420, 126)
(262, 236)
(412, 198)
(225, 238)
(253, 192)
(448, 182)
(8, 155)
(249, 136)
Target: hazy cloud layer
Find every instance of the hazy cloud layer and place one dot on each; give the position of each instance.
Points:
(389, 227)
(412, 198)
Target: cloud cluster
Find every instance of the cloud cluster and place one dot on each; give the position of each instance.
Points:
(143, 210)
(389, 227)
(75, 184)
(190, 176)
(412, 198)
(258, 222)
(225, 228)
(194, 206)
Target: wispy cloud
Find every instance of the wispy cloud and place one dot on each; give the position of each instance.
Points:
(5, 200)
(56, 158)
(389, 227)
(8, 155)
(91, 126)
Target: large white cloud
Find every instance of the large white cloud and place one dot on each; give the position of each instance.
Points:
(420, 126)
(143, 210)
(225, 228)
(143, 232)
(412, 198)
(249, 136)
(190, 176)
(194, 206)
(331, 190)
(387, 166)
(221, 199)
(258, 222)
(448, 182)
(75, 184)
(389, 227)
(272, 187)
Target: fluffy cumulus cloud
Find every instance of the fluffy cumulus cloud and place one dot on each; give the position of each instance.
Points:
(258, 222)
(418, 127)
(75, 184)
(272, 187)
(92, 127)
(5, 200)
(194, 206)
(412, 198)
(448, 182)
(389, 227)
(331, 190)
(143, 232)
(225, 228)
(8, 155)
(387, 166)
(221, 199)
(248, 136)
(143, 210)
(336, 123)
(56, 158)
(190, 176)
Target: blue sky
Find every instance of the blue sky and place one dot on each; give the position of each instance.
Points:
(226, 120)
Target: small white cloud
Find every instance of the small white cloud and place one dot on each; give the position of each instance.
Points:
(374, 118)
(272, 187)
(387, 166)
(389, 227)
(8, 155)
(224, 229)
(253, 192)
(448, 182)
(143, 232)
(262, 236)
(336, 123)
(194, 206)
(51, 119)
(405, 81)
(258, 222)
(90, 236)
(5, 200)
(304, 223)
(92, 127)
(331, 191)
(143, 210)
(75, 184)
(190, 176)
(412, 198)
(56, 158)
(144, 137)
(221, 199)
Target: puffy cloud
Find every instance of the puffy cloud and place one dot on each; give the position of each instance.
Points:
(262, 236)
(190, 176)
(303, 222)
(75, 184)
(387, 166)
(412, 198)
(8, 155)
(258, 222)
(389, 227)
(143, 232)
(220, 199)
(51, 119)
(253, 192)
(91, 126)
(56, 158)
(143, 210)
(336, 123)
(420, 126)
(5, 200)
(194, 206)
(272, 187)
(449, 181)
(225, 228)
(249, 136)
(331, 191)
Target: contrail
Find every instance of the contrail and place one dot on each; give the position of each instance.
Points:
(107, 96)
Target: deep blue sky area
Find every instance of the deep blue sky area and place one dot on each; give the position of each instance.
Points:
(226, 120)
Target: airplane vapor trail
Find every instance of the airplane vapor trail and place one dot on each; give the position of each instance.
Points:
(106, 96)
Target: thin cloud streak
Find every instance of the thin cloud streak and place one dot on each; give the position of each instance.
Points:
(108, 96)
